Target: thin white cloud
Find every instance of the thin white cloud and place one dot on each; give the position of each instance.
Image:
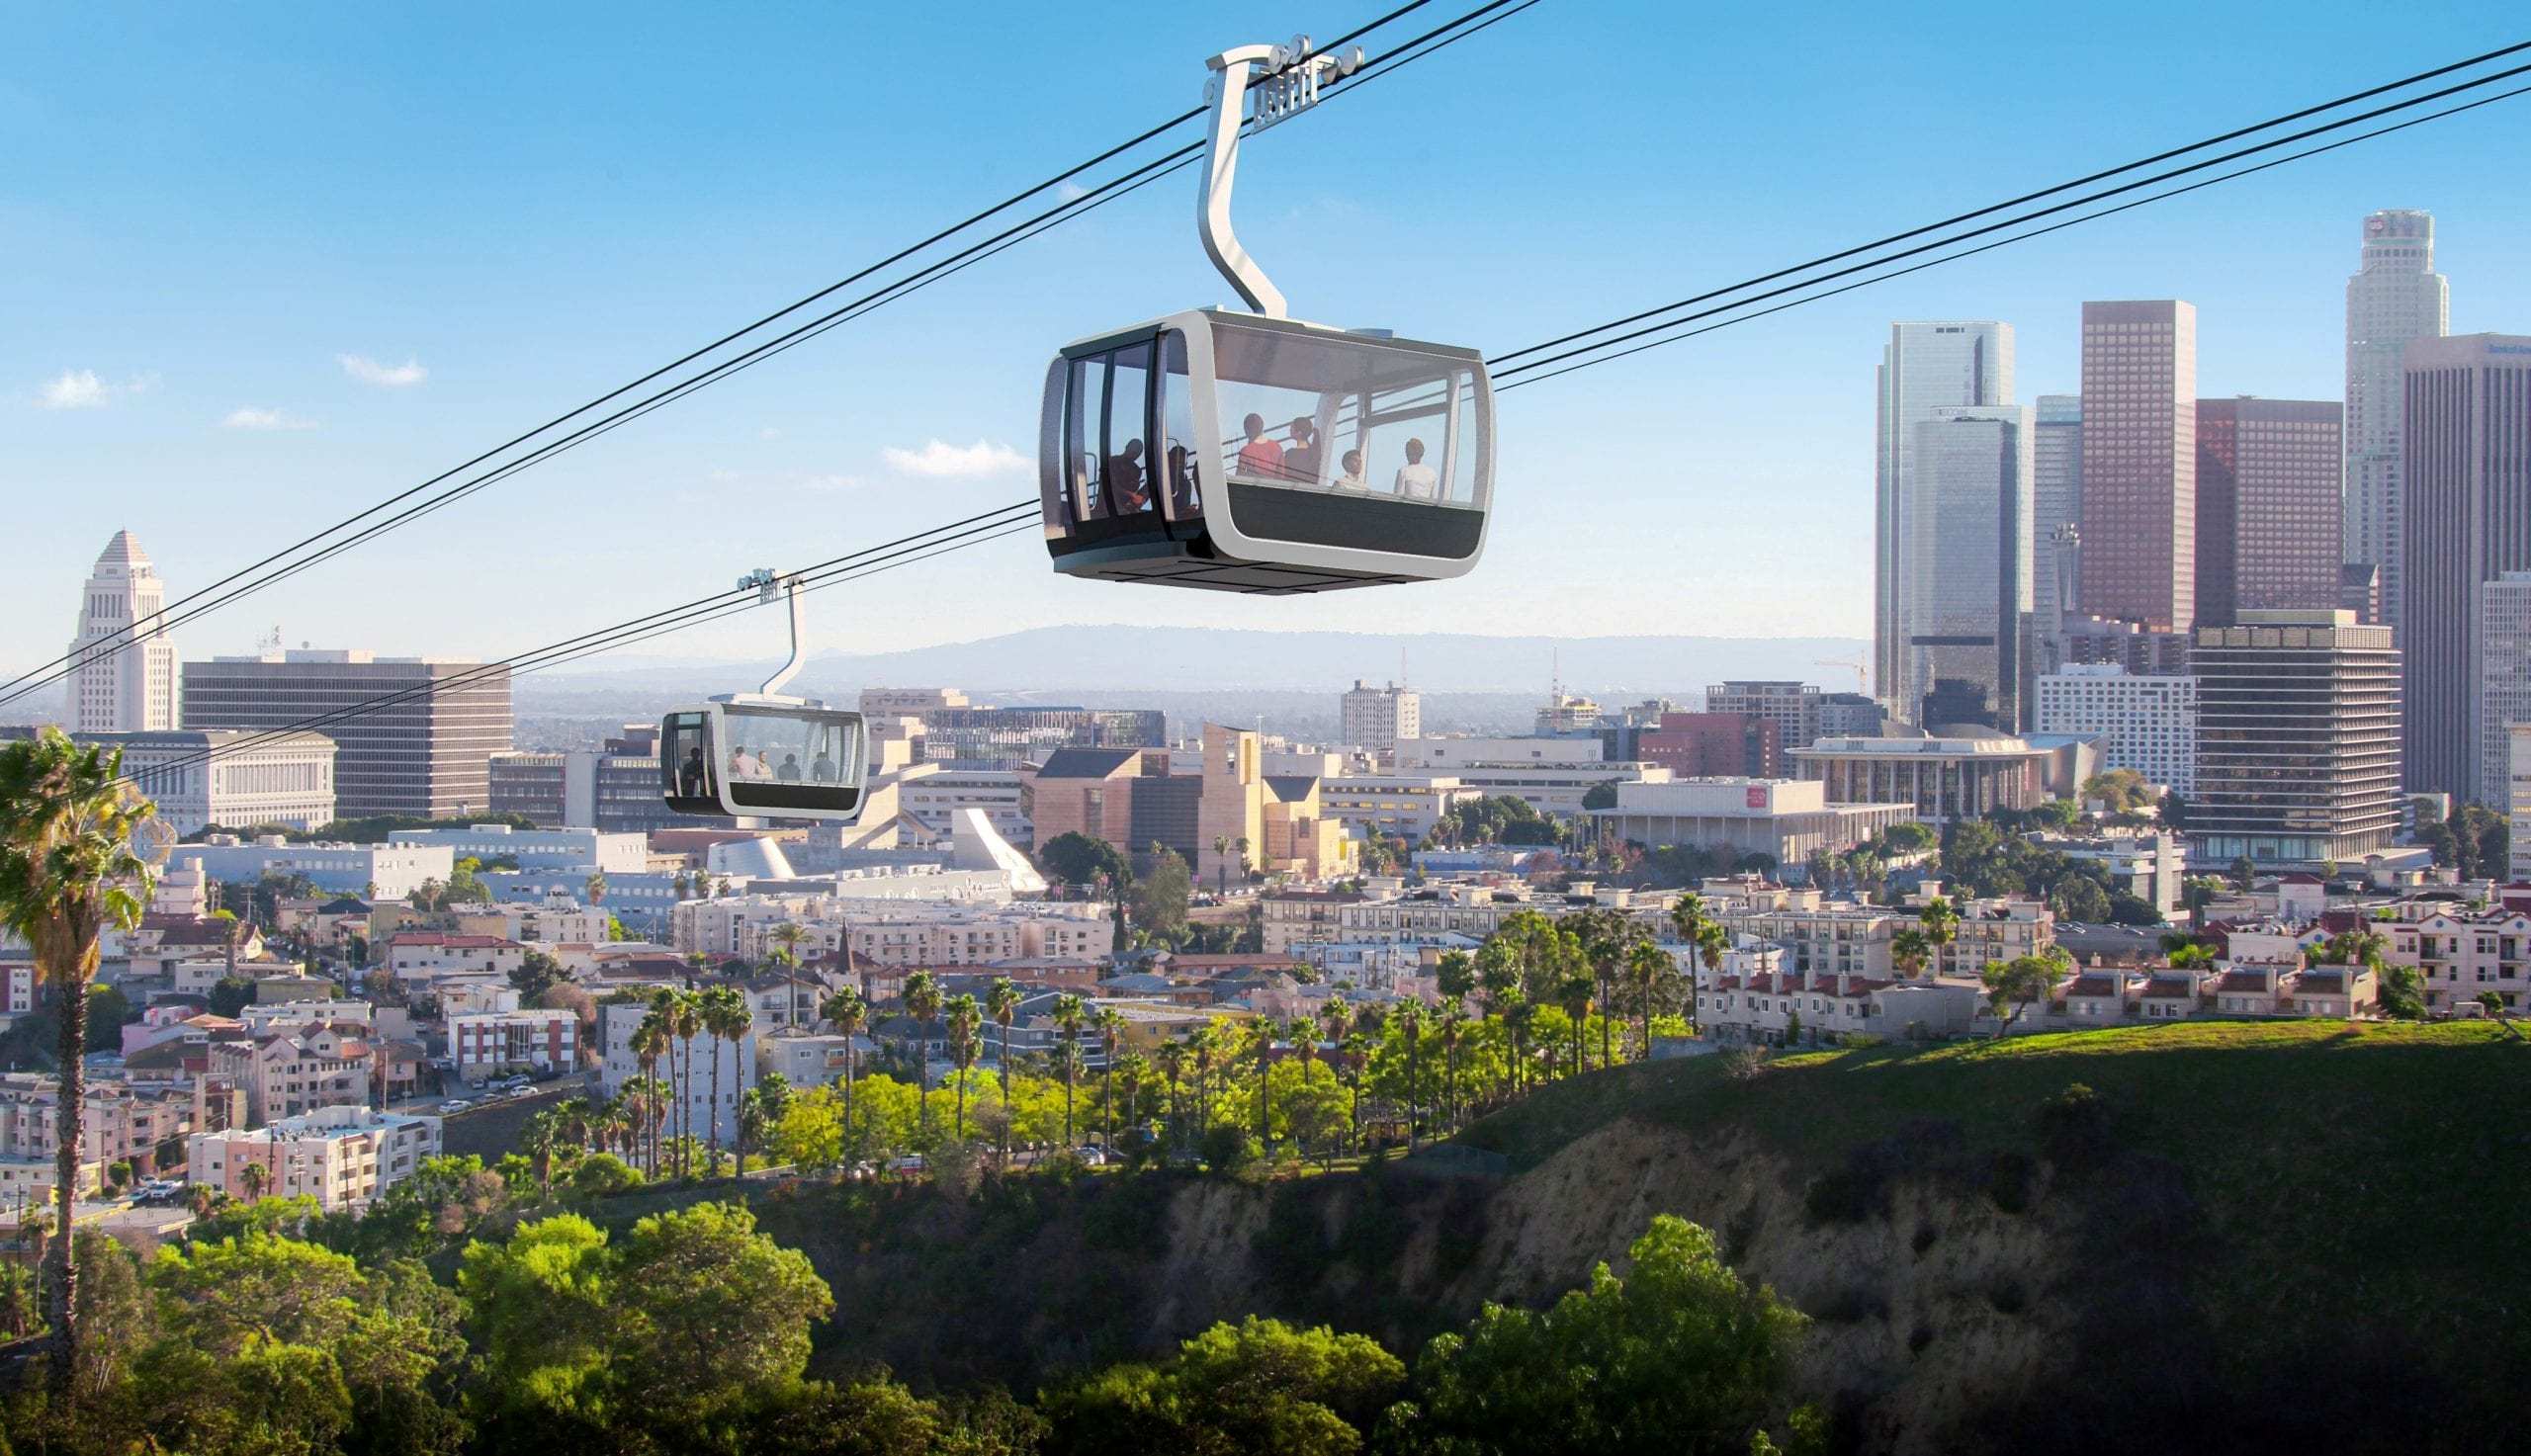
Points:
(1071, 192)
(74, 388)
(831, 484)
(249, 418)
(386, 375)
(943, 460)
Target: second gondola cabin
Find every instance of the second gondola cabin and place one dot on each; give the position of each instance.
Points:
(1233, 452)
(760, 755)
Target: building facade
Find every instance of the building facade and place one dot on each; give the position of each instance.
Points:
(1966, 595)
(382, 871)
(284, 780)
(2466, 489)
(1377, 718)
(419, 736)
(2393, 299)
(490, 1043)
(122, 664)
(1796, 709)
(1945, 778)
(2139, 463)
(2269, 511)
(2147, 722)
(1925, 367)
(615, 789)
(1786, 820)
(2505, 682)
(1694, 745)
(2297, 740)
(2056, 505)
(344, 1158)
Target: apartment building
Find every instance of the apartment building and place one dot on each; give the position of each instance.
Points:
(490, 1043)
(315, 1066)
(118, 1123)
(344, 1158)
(2461, 956)
(429, 955)
(707, 1106)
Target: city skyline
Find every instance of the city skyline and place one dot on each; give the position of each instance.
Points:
(924, 408)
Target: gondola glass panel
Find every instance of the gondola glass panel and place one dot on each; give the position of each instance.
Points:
(689, 782)
(790, 760)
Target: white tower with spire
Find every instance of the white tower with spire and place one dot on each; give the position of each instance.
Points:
(133, 690)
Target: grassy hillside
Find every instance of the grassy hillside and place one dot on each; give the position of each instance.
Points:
(2327, 1208)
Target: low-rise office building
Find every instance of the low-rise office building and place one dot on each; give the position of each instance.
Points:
(1786, 820)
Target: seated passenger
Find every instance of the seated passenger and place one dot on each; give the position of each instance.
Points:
(1181, 482)
(1126, 492)
(788, 772)
(1417, 480)
(1351, 480)
(1259, 456)
(1300, 457)
(822, 768)
(694, 777)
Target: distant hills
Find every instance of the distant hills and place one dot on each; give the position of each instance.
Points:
(1051, 662)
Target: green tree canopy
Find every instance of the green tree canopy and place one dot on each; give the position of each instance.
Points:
(1077, 858)
(1677, 1358)
(1258, 1386)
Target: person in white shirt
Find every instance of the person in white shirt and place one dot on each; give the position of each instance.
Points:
(1351, 480)
(1417, 480)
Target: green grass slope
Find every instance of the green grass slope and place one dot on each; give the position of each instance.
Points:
(2266, 1195)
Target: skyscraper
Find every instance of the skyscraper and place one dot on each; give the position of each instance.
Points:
(2465, 480)
(1925, 367)
(2505, 681)
(2297, 740)
(2394, 297)
(426, 749)
(2268, 513)
(2057, 498)
(1967, 594)
(133, 690)
(2139, 463)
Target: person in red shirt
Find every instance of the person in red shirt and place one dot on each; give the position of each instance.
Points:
(1260, 458)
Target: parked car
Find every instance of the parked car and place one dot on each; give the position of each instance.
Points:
(457, 1105)
(910, 1163)
(1092, 1154)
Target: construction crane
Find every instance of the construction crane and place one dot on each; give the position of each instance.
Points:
(1863, 670)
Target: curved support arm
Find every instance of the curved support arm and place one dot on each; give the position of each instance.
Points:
(1221, 169)
(782, 675)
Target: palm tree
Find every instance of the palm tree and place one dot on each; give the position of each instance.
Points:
(1302, 1033)
(1002, 1003)
(1700, 929)
(966, 1020)
(1652, 983)
(595, 886)
(1356, 1049)
(1941, 926)
(1340, 1020)
(1261, 1040)
(1453, 1028)
(1410, 1022)
(1109, 1023)
(785, 954)
(847, 1013)
(1069, 1014)
(1172, 1066)
(539, 1139)
(650, 1044)
(68, 873)
(726, 1018)
(1574, 995)
(253, 1179)
(1908, 950)
(1221, 865)
(199, 1199)
(685, 1023)
(1239, 846)
(755, 1119)
(1206, 1044)
(921, 997)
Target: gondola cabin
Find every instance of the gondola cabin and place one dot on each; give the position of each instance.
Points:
(1238, 453)
(764, 756)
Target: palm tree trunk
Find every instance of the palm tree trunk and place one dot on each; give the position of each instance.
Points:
(1107, 1101)
(1068, 1096)
(1413, 1035)
(71, 1124)
(1007, 1118)
(714, 1091)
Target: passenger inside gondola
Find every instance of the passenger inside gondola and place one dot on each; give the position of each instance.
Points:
(1417, 480)
(695, 776)
(821, 767)
(1181, 482)
(1259, 456)
(1300, 457)
(788, 772)
(1126, 492)
(1353, 480)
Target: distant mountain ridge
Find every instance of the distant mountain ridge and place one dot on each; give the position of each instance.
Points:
(1110, 659)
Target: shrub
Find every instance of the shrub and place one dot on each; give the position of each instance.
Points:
(1227, 1149)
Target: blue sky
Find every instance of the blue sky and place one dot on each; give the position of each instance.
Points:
(206, 210)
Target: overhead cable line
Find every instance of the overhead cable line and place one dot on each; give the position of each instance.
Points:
(244, 582)
(1019, 516)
